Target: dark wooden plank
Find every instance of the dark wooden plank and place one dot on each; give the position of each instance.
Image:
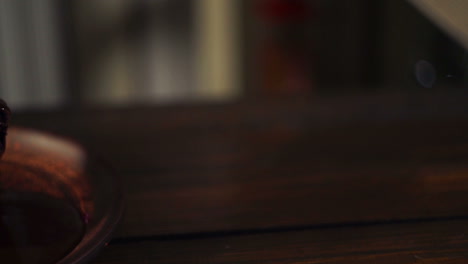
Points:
(152, 137)
(319, 110)
(217, 201)
(150, 140)
(275, 176)
(440, 242)
(245, 167)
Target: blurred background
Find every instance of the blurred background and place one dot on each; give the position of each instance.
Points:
(120, 53)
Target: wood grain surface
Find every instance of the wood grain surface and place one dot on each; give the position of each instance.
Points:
(374, 180)
(427, 242)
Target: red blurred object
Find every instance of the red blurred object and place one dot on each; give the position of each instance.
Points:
(283, 47)
(283, 10)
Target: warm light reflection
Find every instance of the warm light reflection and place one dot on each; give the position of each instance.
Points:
(34, 162)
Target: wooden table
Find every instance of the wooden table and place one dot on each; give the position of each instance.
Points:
(337, 180)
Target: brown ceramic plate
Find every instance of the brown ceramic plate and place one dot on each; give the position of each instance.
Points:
(57, 204)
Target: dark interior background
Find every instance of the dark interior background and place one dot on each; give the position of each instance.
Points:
(62, 54)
